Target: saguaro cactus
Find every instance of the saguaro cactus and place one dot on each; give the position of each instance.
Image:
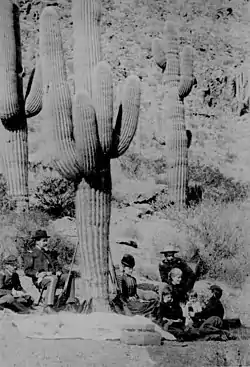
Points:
(14, 109)
(179, 80)
(83, 132)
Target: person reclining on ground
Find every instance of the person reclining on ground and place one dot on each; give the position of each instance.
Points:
(128, 301)
(46, 274)
(12, 294)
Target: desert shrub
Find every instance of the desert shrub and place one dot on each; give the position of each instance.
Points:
(63, 247)
(220, 234)
(6, 203)
(215, 185)
(55, 196)
(137, 166)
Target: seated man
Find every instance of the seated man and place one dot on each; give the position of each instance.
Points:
(46, 274)
(12, 294)
(171, 261)
(210, 319)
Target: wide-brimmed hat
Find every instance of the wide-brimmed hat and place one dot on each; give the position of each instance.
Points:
(39, 234)
(10, 260)
(169, 248)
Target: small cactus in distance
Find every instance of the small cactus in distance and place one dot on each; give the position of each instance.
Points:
(84, 137)
(14, 108)
(178, 78)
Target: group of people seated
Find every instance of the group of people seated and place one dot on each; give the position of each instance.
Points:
(174, 306)
(176, 309)
(47, 276)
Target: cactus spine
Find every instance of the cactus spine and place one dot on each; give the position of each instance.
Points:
(83, 133)
(179, 80)
(13, 130)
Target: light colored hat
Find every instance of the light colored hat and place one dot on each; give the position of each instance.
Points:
(169, 248)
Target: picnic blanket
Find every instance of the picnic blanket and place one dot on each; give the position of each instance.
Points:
(94, 326)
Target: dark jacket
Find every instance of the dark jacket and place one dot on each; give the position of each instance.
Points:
(128, 286)
(214, 307)
(188, 277)
(38, 261)
(8, 282)
(170, 310)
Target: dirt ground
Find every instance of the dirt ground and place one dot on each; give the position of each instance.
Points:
(17, 351)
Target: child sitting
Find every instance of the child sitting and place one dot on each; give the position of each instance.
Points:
(170, 316)
(192, 307)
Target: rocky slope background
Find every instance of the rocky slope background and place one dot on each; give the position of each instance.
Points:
(218, 226)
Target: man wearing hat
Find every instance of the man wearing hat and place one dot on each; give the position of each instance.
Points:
(45, 272)
(170, 262)
(12, 294)
(210, 319)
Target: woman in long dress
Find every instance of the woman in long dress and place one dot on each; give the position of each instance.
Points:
(129, 302)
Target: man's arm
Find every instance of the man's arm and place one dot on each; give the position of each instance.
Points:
(208, 311)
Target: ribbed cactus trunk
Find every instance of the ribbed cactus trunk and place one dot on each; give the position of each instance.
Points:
(13, 129)
(93, 210)
(178, 79)
(83, 133)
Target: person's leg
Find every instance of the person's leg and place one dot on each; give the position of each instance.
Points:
(7, 299)
(50, 284)
(71, 286)
(212, 325)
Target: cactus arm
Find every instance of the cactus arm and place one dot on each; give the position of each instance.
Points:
(171, 49)
(159, 54)
(103, 96)
(34, 92)
(86, 17)
(86, 134)
(186, 68)
(127, 118)
(56, 94)
(10, 65)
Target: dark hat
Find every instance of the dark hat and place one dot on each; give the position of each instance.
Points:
(128, 260)
(215, 287)
(10, 260)
(39, 234)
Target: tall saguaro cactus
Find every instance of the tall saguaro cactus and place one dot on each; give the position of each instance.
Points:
(178, 78)
(14, 109)
(84, 136)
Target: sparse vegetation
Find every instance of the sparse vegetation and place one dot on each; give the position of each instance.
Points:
(218, 226)
(56, 197)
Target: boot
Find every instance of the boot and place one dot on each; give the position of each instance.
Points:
(18, 307)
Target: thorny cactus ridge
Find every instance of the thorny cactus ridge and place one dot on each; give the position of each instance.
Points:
(83, 133)
(178, 78)
(13, 129)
